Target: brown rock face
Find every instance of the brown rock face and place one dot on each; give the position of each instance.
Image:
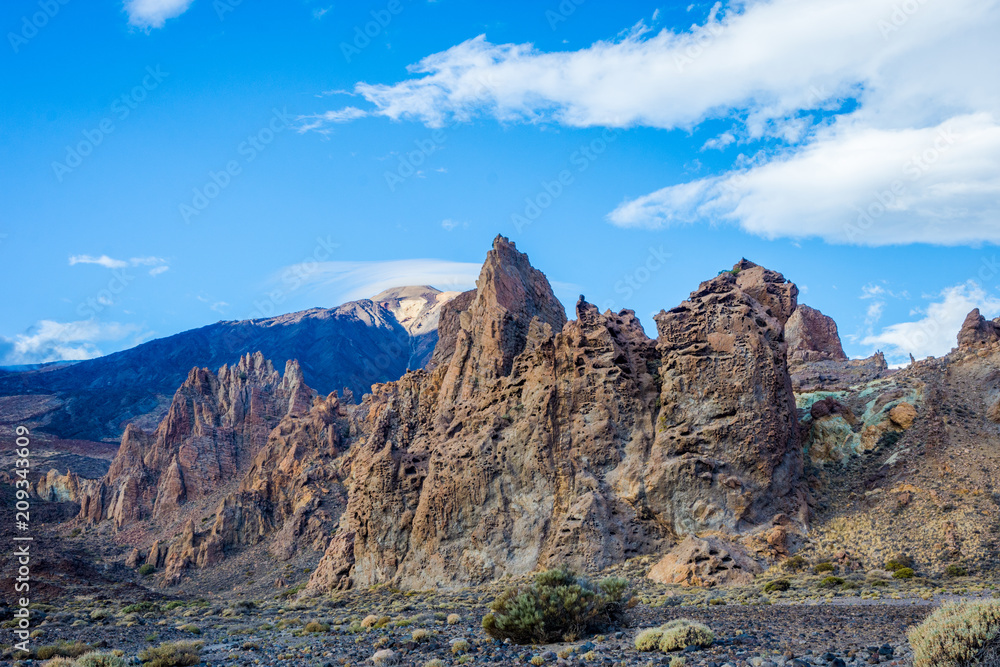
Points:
(706, 563)
(812, 336)
(727, 447)
(531, 441)
(215, 426)
(291, 496)
(977, 330)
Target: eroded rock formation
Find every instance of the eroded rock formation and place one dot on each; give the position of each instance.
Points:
(531, 441)
(216, 424)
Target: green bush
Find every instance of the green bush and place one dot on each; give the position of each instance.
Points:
(795, 564)
(899, 562)
(172, 654)
(958, 635)
(903, 573)
(141, 608)
(63, 649)
(146, 569)
(674, 636)
(830, 582)
(316, 627)
(100, 660)
(648, 640)
(823, 567)
(956, 571)
(777, 585)
(59, 662)
(558, 605)
(681, 633)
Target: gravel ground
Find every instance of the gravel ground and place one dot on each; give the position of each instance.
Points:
(413, 629)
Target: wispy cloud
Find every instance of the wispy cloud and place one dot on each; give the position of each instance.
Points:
(345, 115)
(448, 224)
(158, 263)
(154, 13)
(50, 341)
(338, 282)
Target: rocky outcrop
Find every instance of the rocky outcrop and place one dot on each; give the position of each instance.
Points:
(977, 330)
(58, 488)
(833, 375)
(216, 424)
(812, 336)
(705, 562)
(726, 454)
(292, 496)
(531, 441)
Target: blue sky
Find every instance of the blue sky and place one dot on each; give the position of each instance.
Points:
(168, 163)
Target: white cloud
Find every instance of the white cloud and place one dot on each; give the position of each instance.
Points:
(852, 184)
(935, 334)
(719, 142)
(894, 75)
(154, 13)
(345, 115)
(103, 260)
(338, 282)
(63, 341)
(449, 224)
(159, 264)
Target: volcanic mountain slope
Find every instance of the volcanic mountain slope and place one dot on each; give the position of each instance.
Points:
(541, 442)
(352, 346)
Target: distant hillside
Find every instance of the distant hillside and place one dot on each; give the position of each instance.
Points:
(353, 346)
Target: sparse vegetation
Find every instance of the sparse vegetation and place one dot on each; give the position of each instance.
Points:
(675, 636)
(958, 635)
(830, 582)
(823, 567)
(777, 585)
(172, 654)
(795, 564)
(100, 660)
(316, 627)
(558, 605)
(453, 619)
(956, 571)
(63, 649)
